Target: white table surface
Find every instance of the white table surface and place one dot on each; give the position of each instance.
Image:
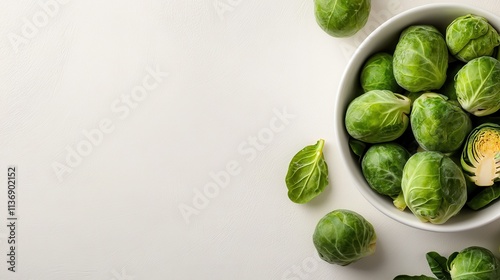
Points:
(174, 94)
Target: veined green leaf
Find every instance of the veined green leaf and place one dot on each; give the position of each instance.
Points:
(307, 174)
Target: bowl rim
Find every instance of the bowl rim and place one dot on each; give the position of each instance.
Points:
(342, 141)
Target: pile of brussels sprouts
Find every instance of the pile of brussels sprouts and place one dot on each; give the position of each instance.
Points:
(427, 125)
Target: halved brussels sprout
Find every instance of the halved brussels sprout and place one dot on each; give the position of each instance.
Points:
(471, 36)
(434, 187)
(377, 116)
(438, 124)
(477, 86)
(377, 73)
(481, 155)
(420, 59)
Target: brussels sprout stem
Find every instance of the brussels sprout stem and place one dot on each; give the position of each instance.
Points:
(399, 202)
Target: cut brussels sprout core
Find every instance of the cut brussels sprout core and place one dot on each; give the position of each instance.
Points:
(481, 155)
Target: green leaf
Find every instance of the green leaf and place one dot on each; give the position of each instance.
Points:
(420, 277)
(484, 197)
(438, 266)
(307, 174)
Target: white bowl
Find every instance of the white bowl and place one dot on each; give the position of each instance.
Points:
(384, 38)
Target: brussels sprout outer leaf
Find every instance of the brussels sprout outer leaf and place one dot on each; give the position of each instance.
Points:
(344, 236)
(484, 197)
(437, 264)
(477, 86)
(475, 263)
(420, 277)
(342, 18)
(307, 174)
(481, 155)
(378, 116)
(420, 59)
(357, 147)
(438, 124)
(471, 36)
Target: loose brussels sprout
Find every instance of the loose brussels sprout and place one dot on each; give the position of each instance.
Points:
(474, 263)
(420, 59)
(477, 86)
(342, 18)
(438, 124)
(382, 167)
(481, 155)
(343, 236)
(471, 36)
(377, 116)
(377, 73)
(433, 186)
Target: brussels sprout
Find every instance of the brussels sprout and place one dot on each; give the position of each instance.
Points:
(433, 186)
(377, 73)
(357, 147)
(377, 116)
(438, 124)
(342, 18)
(474, 263)
(420, 59)
(343, 236)
(382, 167)
(471, 36)
(477, 86)
(481, 155)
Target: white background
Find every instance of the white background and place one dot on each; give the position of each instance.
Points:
(115, 211)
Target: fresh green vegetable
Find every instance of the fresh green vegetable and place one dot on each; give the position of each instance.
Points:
(420, 59)
(434, 187)
(377, 116)
(484, 197)
(438, 265)
(342, 18)
(438, 124)
(307, 174)
(382, 167)
(471, 36)
(344, 236)
(357, 147)
(377, 73)
(481, 155)
(474, 263)
(477, 86)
